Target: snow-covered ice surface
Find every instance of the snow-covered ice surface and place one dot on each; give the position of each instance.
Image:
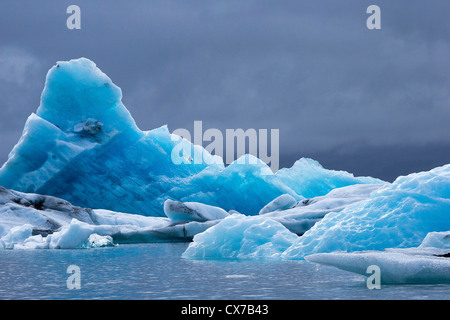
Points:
(83, 145)
(283, 202)
(32, 221)
(45, 213)
(192, 211)
(436, 240)
(423, 264)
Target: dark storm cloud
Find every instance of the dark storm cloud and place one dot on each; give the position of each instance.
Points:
(335, 89)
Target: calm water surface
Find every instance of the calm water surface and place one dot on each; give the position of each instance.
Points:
(157, 271)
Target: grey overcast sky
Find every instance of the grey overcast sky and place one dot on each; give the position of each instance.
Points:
(371, 102)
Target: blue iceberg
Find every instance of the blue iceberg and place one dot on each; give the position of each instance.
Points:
(241, 237)
(398, 215)
(82, 145)
(271, 233)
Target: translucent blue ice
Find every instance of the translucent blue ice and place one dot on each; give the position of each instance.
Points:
(241, 237)
(399, 215)
(308, 178)
(83, 145)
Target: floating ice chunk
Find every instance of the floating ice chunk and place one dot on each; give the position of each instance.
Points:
(436, 240)
(192, 211)
(16, 236)
(241, 237)
(71, 236)
(97, 241)
(33, 242)
(21, 237)
(78, 235)
(283, 202)
(399, 266)
(398, 215)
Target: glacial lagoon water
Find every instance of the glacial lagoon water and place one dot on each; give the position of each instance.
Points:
(157, 271)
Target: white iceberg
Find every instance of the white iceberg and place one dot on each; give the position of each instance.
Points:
(71, 236)
(76, 235)
(424, 264)
(32, 221)
(98, 241)
(17, 236)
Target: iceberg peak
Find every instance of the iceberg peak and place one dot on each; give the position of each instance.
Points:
(76, 91)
